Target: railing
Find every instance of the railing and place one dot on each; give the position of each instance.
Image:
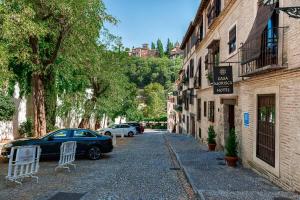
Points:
(197, 82)
(178, 108)
(271, 55)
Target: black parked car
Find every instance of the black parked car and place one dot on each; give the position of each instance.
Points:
(89, 143)
(139, 127)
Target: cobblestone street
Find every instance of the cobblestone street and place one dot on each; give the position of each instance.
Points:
(138, 168)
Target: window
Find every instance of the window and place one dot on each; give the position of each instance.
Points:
(211, 111)
(206, 62)
(188, 73)
(213, 11)
(201, 31)
(199, 109)
(83, 133)
(199, 74)
(183, 118)
(192, 68)
(232, 40)
(192, 96)
(200, 133)
(186, 100)
(205, 109)
(61, 134)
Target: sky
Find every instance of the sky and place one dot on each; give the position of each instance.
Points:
(144, 21)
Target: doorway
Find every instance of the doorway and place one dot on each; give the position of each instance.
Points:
(193, 126)
(229, 120)
(231, 117)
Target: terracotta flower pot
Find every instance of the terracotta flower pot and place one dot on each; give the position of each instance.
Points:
(211, 147)
(231, 161)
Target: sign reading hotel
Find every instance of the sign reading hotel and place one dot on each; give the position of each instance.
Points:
(223, 81)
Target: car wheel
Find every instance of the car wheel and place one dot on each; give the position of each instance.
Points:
(94, 153)
(130, 134)
(108, 133)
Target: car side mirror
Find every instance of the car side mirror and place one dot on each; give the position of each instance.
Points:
(51, 138)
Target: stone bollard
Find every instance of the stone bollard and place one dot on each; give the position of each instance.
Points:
(114, 139)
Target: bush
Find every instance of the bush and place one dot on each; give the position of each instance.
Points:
(26, 128)
(211, 135)
(231, 144)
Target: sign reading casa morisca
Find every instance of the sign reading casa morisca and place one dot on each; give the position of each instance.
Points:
(223, 82)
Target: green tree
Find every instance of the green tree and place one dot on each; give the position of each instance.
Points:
(160, 48)
(7, 107)
(155, 100)
(153, 46)
(48, 31)
(169, 48)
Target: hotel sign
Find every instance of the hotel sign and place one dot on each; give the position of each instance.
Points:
(223, 81)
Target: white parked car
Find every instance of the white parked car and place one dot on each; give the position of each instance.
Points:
(119, 130)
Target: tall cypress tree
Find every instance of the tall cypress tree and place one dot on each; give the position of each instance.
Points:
(160, 48)
(169, 48)
(153, 46)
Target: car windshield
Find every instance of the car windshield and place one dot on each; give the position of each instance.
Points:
(44, 136)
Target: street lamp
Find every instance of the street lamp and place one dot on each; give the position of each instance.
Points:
(292, 11)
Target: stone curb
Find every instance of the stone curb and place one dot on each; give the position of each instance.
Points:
(187, 175)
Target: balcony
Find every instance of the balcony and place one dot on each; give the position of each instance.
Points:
(178, 108)
(269, 57)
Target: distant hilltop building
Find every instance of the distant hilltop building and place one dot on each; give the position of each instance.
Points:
(176, 51)
(144, 52)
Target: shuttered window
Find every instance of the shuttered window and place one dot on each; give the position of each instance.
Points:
(232, 40)
(199, 109)
(211, 111)
(192, 68)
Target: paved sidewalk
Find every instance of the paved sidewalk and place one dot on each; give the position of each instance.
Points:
(212, 179)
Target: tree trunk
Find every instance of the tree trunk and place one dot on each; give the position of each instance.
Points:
(50, 99)
(39, 104)
(97, 124)
(85, 122)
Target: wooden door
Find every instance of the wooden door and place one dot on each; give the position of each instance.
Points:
(265, 149)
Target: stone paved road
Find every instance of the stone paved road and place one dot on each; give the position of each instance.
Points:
(139, 168)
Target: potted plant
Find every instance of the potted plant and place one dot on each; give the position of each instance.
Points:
(231, 149)
(211, 139)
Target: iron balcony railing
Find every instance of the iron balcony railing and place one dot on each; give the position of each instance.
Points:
(272, 53)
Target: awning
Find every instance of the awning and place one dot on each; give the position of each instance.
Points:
(251, 49)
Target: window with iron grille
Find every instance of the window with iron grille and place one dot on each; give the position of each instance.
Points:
(211, 111)
(192, 68)
(199, 109)
(205, 109)
(232, 40)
